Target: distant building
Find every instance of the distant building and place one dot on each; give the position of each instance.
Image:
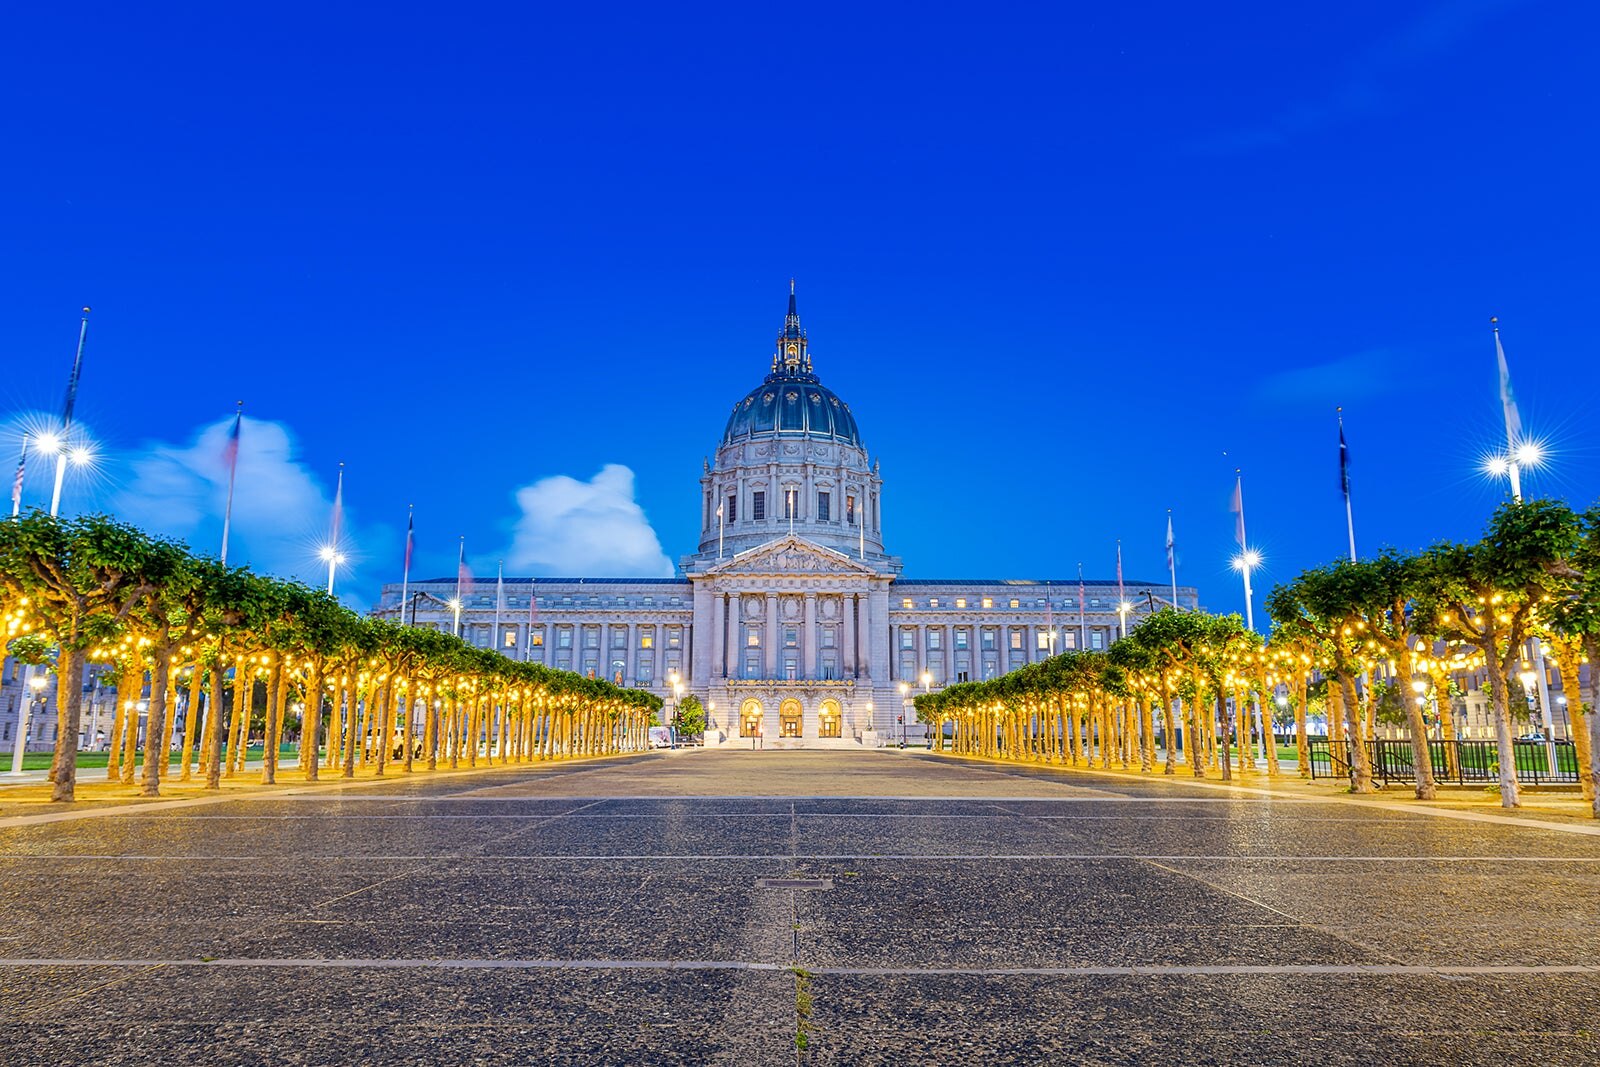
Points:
(790, 619)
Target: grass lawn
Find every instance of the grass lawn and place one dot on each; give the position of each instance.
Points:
(40, 761)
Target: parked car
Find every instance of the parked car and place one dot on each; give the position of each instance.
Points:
(660, 737)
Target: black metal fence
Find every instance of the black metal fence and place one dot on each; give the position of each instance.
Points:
(1461, 762)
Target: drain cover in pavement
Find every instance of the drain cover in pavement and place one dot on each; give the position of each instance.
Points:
(794, 883)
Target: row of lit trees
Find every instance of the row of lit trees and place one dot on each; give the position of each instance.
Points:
(1415, 620)
(213, 639)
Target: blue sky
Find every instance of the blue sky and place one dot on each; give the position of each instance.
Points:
(513, 265)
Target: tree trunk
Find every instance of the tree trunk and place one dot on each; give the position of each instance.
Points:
(1591, 648)
(269, 752)
(1225, 739)
(155, 755)
(1499, 692)
(1569, 658)
(119, 723)
(311, 723)
(191, 721)
(216, 732)
(1302, 742)
(1421, 754)
(1360, 769)
(69, 697)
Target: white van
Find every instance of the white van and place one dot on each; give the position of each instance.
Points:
(660, 737)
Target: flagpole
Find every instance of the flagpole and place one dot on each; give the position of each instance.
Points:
(1508, 407)
(333, 540)
(405, 569)
(233, 470)
(533, 617)
(1122, 599)
(1513, 418)
(1244, 553)
(791, 512)
(719, 531)
(66, 418)
(1049, 617)
(499, 595)
(1344, 483)
(461, 565)
(16, 485)
(1083, 631)
(861, 531)
(1172, 561)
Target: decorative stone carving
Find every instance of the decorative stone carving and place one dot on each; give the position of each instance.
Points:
(829, 606)
(791, 607)
(754, 607)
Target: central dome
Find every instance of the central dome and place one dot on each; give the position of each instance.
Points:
(791, 401)
(792, 406)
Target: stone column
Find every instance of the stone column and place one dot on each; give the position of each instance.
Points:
(808, 639)
(864, 638)
(719, 637)
(630, 673)
(774, 632)
(847, 646)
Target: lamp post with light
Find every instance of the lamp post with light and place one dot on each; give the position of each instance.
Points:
(905, 706)
(676, 688)
(35, 695)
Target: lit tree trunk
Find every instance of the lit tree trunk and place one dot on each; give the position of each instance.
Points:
(130, 736)
(352, 727)
(1499, 691)
(1591, 648)
(1569, 657)
(215, 727)
(69, 697)
(1447, 720)
(243, 699)
(1421, 754)
(407, 730)
(311, 723)
(1224, 739)
(269, 752)
(1302, 743)
(191, 721)
(119, 726)
(1360, 769)
(155, 757)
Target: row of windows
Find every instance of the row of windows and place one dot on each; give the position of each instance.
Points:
(1043, 639)
(790, 637)
(988, 602)
(758, 506)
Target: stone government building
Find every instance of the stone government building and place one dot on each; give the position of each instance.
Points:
(790, 620)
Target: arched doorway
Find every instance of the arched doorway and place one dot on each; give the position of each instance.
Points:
(789, 718)
(829, 721)
(750, 715)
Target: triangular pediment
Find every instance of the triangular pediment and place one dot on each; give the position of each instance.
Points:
(790, 555)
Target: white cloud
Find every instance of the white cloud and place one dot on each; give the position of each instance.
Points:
(280, 511)
(595, 528)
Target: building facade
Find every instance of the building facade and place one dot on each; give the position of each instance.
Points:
(791, 622)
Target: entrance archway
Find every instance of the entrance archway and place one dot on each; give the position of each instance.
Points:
(789, 718)
(829, 721)
(750, 716)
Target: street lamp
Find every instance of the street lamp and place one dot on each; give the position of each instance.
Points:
(905, 703)
(36, 684)
(677, 691)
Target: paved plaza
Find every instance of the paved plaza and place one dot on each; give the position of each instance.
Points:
(712, 906)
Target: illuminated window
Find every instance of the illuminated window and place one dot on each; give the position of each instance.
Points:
(647, 639)
(1044, 640)
(752, 638)
(1016, 603)
(987, 602)
(508, 638)
(906, 603)
(961, 601)
(933, 602)
(538, 637)
(1016, 638)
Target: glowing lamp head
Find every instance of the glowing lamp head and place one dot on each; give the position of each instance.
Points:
(927, 679)
(327, 553)
(80, 456)
(37, 682)
(1248, 560)
(49, 443)
(1529, 454)
(905, 688)
(1496, 466)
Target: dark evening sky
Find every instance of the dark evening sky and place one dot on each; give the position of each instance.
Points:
(514, 264)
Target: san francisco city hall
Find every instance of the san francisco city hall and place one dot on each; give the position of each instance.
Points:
(791, 621)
